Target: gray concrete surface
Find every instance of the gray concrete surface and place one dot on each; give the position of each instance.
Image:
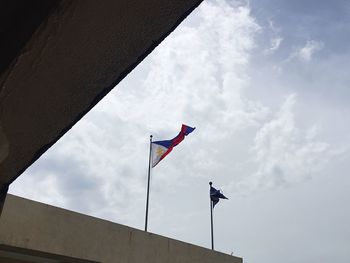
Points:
(33, 226)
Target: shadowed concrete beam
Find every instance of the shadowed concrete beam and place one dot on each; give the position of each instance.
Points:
(18, 21)
(74, 58)
(3, 193)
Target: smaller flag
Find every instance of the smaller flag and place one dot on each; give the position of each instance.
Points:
(215, 195)
(160, 149)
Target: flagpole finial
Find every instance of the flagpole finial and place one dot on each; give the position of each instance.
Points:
(210, 183)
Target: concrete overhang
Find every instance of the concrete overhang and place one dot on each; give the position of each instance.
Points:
(59, 58)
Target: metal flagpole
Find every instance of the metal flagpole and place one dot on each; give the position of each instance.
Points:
(149, 176)
(211, 216)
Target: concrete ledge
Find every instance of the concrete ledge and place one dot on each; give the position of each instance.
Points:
(29, 225)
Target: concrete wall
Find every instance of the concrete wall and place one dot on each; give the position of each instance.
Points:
(34, 226)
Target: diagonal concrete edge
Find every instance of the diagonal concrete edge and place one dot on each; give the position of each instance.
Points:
(70, 63)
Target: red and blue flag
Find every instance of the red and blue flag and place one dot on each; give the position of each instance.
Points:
(160, 149)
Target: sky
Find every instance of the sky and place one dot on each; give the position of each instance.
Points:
(266, 84)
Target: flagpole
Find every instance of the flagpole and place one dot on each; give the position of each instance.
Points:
(211, 217)
(149, 176)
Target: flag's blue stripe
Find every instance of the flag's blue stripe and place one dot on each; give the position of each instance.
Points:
(166, 143)
(188, 130)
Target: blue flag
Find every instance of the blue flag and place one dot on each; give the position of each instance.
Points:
(216, 195)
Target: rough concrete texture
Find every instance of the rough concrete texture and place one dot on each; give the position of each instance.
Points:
(35, 226)
(18, 255)
(74, 58)
(18, 21)
(9, 260)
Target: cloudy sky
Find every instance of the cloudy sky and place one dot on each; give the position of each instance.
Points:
(266, 84)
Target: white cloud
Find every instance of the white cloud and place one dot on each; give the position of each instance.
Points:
(306, 52)
(272, 25)
(275, 40)
(275, 43)
(286, 154)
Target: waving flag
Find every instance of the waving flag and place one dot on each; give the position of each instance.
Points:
(157, 152)
(216, 195)
(160, 149)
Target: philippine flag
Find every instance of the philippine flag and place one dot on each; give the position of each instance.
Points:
(160, 149)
